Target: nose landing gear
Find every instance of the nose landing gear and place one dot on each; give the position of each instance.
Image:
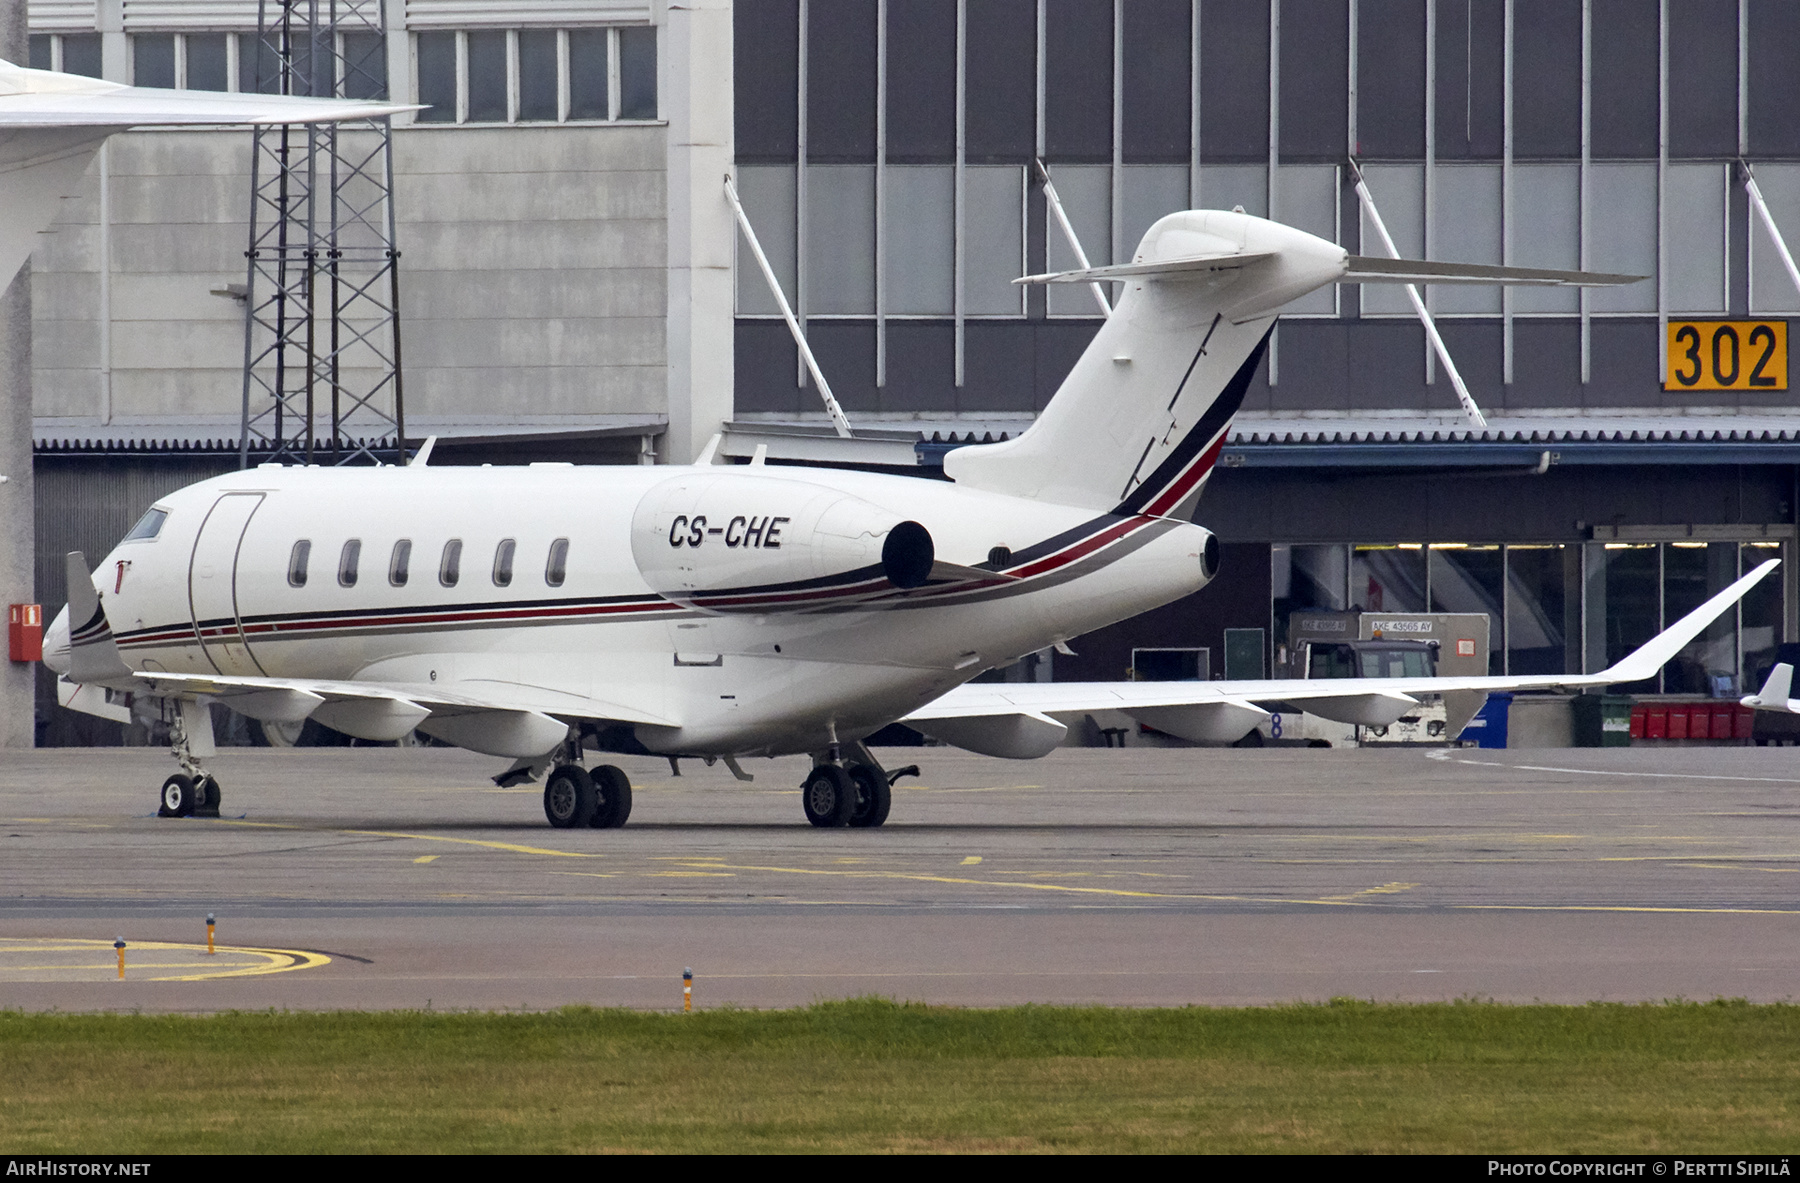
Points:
(192, 792)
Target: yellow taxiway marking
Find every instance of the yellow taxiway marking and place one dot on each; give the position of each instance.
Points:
(1384, 889)
(427, 858)
(690, 875)
(230, 961)
(1739, 867)
(512, 846)
(971, 860)
(1112, 891)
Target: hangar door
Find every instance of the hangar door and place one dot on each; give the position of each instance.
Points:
(212, 583)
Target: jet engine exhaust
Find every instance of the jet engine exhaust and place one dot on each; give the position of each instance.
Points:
(907, 555)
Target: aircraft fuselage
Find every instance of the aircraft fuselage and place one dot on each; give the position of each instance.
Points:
(729, 610)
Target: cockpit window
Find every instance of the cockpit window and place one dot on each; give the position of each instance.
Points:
(148, 527)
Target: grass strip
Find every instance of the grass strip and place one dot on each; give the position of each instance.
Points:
(873, 1075)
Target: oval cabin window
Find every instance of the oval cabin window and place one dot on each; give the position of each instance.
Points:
(557, 569)
(503, 562)
(348, 562)
(297, 562)
(450, 567)
(399, 566)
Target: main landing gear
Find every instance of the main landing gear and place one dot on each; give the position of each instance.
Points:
(857, 794)
(192, 792)
(575, 797)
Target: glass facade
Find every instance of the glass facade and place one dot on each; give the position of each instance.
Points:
(1557, 608)
(1529, 132)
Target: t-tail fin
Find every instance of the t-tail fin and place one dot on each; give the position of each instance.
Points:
(1139, 422)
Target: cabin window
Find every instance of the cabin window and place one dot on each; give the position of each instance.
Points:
(557, 569)
(148, 526)
(348, 562)
(297, 562)
(503, 560)
(400, 564)
(450, 566)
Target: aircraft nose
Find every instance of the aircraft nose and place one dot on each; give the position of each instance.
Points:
(56, 643)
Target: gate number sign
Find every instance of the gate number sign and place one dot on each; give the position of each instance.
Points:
(1727, 355)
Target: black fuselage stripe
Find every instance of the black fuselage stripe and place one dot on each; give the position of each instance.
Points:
(1217, 418)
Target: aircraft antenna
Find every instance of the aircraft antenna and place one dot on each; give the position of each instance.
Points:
(322, 302)
(787, 312)
(1476, 419)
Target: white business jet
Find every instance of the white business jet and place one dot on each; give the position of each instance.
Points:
(726, 611)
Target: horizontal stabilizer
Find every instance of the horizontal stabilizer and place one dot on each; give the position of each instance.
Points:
(1367, 269)
(1194, 266)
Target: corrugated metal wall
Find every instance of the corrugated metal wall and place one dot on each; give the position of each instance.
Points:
(86, 503)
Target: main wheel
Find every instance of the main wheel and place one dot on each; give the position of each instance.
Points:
(828, 796)
(873, 797)
(178, 796)
(569, 797)
(614, 790)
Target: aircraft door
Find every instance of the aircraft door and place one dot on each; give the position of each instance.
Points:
(212, 584)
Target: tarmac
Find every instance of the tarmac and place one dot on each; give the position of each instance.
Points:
(374, 878)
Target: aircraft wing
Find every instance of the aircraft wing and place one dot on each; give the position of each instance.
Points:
(52, 124)
(1015, 719)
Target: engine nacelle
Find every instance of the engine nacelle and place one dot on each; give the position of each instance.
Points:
(732, 542)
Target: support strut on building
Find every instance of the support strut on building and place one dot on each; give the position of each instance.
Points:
(838, 421)
(1068, 229)
(322, 304)
(1768, 221)
(1473, 412)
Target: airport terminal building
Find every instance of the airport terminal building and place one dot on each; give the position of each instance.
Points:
(575, 286)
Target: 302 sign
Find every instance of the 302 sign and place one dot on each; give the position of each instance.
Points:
(1727, 355)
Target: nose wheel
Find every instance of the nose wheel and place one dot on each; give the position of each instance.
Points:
(192, 792)
(188, 796)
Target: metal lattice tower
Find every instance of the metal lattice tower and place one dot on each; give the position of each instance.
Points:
(322, 299)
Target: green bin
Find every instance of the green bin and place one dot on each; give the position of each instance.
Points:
(1602, 720)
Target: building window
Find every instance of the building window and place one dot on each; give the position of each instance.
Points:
(69, 53)
(221, 62)
(605, 75)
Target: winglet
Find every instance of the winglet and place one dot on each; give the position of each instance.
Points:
(1646, 659)
(1774, 693)
(93, 654)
